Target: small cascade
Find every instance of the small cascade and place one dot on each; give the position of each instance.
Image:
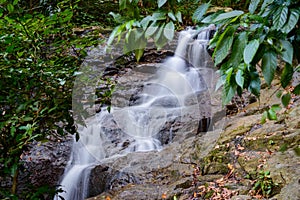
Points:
(163, 99)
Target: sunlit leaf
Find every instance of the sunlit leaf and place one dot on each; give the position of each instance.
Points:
(276, 107)
(292, 21)
(151, 29)
(138, 54)
(160, 3)
(172, 16)
(228, 15)
(250, 51)
(200, 11)
(158, 16)
(238, 47)
(253, 6)
(224, 45)
(169, 30)
(280, 17)
(10, 8)
(272, 114)
(179, 17)
(264, 117)
(239, 78)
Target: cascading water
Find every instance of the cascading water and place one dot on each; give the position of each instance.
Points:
(161, 100)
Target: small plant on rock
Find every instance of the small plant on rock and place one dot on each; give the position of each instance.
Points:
(264, 184)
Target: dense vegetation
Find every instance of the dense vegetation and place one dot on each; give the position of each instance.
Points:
(40, 54)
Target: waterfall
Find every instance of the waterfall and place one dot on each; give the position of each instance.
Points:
(162, 99)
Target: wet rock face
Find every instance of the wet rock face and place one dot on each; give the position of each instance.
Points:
(245, 145)
(44, 163)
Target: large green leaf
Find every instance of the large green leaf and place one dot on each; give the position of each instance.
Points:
(169, 30)
(179, 16)
(269, 65)
(160, 3)
(159, 33)
(113, 34)
(151, 29)
(238, 49)
(200, 11)
(172, 16)
(228, 15)
(265, 4)
(250, 51)
(272, 114)
(288, 52)
(286, 75)
(224, 44)
(253, 6)
(228, 93)
(293, 19)
(138, 54)
(158, 16)
(239, 78)
(280, 17)
(145, 21)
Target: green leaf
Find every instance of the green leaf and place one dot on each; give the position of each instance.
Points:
(138, 54)
(224, 44)
(269, 65)
(158, 16)
(200, 11)
(160, 3)
(117, 17)
(179, 17)
(276, 107)
(266, 3)
(253, 6)
(229, 94)
(237, 49)
(145, 21)
(228, 15)
(159, 33)
(169, 30)
(287, 54)
(10, 8)
(172, 16)
(293, 19)
(285, 99)
(280, 17)
(264, 117)
(297, 90)
(113, 34)
(254, 86)
(286, 75)
(151, 29)
(250, 51)
(239, 78)
(12, 131)
(272, 114)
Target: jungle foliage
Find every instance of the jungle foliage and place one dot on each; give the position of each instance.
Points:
(39, 56)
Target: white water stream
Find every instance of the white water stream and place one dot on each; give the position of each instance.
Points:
(161, 100)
